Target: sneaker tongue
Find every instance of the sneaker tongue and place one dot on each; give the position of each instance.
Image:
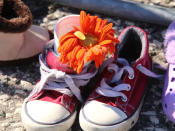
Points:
(54, 63)
(108, 75)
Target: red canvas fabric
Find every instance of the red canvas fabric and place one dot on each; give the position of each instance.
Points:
(69, 102)
(138, 84)
(53, 62)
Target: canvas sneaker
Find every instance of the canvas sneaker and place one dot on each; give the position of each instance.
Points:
(116, 102)
(52, 105)
(168, 98)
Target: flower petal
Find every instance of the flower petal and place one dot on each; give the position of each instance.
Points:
(85, 24)
(98, 25)
(88, 56)
(105, 31)
(80, 67)
(112, 38)
(65, 37)
(105, 42)
(75, 54)
(96, 51)
(104, 22)
(80, 54)
(75, 50)
(69, 45)
(82, 17)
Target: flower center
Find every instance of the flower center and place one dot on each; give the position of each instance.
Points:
(86, 39)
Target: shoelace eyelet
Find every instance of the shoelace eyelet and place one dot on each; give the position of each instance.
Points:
(124, 99)
(131, 76)
(129, 87)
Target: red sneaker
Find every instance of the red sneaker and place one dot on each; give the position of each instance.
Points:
(52, 105)
(116, 102)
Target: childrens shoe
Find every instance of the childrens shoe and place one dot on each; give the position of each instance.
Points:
(52, 105)
(82, 43)
(19, 39)
(168, 98)
(116, 102)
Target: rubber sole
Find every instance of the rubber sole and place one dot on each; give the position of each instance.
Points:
(31, 125)
(123, 126)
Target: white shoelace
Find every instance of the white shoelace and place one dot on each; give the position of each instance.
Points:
(109, 91)
(52, 79)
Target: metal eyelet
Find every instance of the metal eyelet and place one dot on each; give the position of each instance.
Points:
(129, 87)
(124, 100)
(131, 76)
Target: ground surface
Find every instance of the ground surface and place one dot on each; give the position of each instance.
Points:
(17, 81)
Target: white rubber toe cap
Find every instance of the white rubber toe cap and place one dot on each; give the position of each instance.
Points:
(103, 114)
(46, 112)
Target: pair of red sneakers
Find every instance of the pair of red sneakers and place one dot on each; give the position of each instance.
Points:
(116, 100)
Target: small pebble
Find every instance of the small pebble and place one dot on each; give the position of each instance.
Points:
(154, 119)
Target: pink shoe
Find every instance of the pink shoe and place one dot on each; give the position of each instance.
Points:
(19, 39)
(116, 102)
(52, 105)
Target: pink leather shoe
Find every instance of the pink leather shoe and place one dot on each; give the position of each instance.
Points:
(19, 39)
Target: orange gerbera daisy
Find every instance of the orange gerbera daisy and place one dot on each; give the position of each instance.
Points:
(89, 42)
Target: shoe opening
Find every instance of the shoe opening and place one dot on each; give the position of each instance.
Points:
(132, 45)
(15, 16)
(8, 11)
